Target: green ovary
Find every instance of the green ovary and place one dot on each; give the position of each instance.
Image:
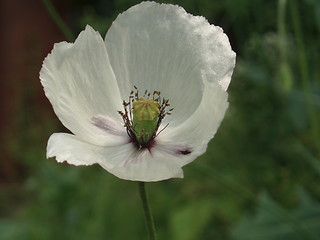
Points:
(145, 119)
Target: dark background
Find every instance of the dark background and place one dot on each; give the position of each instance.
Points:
(259, 178)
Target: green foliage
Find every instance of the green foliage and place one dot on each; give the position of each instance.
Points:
(268, 142)
(265, 226)
(193, 218)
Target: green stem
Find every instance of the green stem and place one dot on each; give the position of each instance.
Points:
(58, 20)
(282, 29)
(285, 73)
(304, 72)
(147, 211)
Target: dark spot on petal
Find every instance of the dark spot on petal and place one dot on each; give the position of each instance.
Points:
(184, 151)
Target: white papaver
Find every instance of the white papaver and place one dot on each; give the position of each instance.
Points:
(154, 47)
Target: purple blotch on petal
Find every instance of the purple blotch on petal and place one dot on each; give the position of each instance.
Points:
(106, 124)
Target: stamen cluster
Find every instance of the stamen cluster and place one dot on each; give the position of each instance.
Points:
(127, 116)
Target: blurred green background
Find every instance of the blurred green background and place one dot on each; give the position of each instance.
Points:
(259, 179)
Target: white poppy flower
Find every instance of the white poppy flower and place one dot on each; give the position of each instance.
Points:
(154, 47)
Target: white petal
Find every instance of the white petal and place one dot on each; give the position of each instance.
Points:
(66, 147)
(193, 135)
(149, 169)
(69, 148)
(80, 84)
(124, 161)
(161, 47)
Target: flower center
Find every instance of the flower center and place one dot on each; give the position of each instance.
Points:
(142, 116)
(145, 118)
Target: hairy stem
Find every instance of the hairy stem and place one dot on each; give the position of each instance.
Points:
(147, 211)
